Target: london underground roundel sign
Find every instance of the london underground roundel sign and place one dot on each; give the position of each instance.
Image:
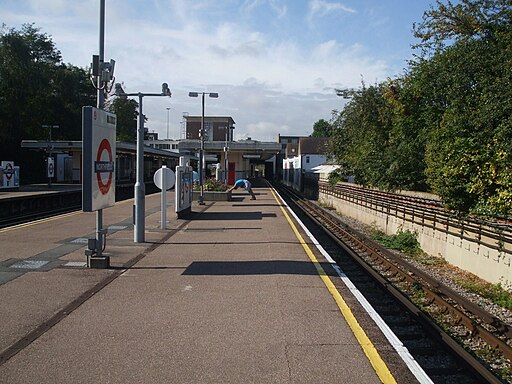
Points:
(99, 154)
(104, 167)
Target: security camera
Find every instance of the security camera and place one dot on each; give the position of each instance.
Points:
(165, 90)
(118, 90)
(112, 67)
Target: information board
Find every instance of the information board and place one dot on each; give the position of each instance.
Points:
(183, 190)
(99, 158)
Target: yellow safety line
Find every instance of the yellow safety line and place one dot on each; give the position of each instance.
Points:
(369, 349)
(8, 229)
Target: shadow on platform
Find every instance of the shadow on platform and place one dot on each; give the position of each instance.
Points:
(230, 215)
(270, 267)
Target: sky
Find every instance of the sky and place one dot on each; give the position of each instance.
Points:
(274, 63)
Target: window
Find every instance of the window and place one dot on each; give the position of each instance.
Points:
(307, 159)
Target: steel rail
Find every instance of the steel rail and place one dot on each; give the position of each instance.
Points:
(356, 244)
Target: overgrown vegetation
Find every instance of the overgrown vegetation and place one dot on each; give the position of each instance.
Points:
(494, 292)
(444, 126)
(403, 241)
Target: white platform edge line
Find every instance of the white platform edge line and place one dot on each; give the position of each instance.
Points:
(402, 351)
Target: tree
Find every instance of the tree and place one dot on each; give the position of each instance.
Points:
(126, 113)
(465, 88)
(360, 137)
(37, 89)
(443, 23)
(446, 125)
(321, 128)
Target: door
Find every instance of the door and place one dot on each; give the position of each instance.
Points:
(231, 173)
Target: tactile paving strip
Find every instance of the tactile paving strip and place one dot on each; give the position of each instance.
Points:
(29, 264)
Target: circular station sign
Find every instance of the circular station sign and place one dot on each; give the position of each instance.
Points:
(104, 166)
(169, 178)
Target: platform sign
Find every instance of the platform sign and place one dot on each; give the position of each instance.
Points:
(183, 190)
(50, 164)
(99, 158)
(9, 175)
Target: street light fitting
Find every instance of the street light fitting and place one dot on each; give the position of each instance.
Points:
(213, 95)
(139, 188)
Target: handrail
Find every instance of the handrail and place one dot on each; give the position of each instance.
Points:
(427, 213)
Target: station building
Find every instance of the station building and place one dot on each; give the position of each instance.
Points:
(225, 159)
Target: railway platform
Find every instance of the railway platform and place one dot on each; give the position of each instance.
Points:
(235, 293)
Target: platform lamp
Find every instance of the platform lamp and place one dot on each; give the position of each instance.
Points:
(139, 188)
(201, 137)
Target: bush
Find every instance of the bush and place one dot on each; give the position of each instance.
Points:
(403, 241)
(212, 185)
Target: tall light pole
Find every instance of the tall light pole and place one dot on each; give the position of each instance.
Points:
(226, 150)
(140, 188)
(168, 109)
(201, 137)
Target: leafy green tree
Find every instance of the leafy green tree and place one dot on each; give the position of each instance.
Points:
(360, 137)
(445, 23)
(446, 125)
(28, 61)
(126, 113)
(466, 89)
(37, 89)
(321, 128)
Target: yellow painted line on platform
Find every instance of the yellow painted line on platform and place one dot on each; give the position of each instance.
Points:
(14, 227)
(369, 349)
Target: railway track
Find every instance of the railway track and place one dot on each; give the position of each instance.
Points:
(453, 339)
(28, 217)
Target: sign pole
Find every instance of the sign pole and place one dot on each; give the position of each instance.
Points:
(100, 99)
(164, 202)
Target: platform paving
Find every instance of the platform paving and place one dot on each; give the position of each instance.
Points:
(225, 296)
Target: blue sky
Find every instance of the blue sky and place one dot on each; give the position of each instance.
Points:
(275, 63)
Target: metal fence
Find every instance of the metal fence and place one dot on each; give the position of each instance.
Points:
(494, 234)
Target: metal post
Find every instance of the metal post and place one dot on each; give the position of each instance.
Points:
(168, 122)
(139, 189)
(226, 156)
(100, 101)
(201, 154)
(163, 182)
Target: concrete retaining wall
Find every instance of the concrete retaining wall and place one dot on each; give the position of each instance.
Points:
(489, 264)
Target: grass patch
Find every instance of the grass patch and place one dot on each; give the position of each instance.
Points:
(403, 241)
(494, 292)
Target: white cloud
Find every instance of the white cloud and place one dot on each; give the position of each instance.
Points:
(320, 8)
(267, 85)
(277, 6)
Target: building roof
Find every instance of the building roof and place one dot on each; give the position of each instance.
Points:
(256, 149)
(213, 119)
(121, 147)
(313, 145)
(324, 168)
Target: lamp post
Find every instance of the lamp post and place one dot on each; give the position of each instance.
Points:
(168, 109)
(139, 188)
(201, 137)
(226, 150)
